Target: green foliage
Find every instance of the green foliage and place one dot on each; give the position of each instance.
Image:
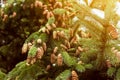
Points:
(33, 36)
(88, 66)
(51, 20)
(111, 71)
(80, 68)
(2, 75)
(118, 74)
(59, 11)
(64, 75)
(44, 37)
(23, 72)
(32, 52)
(68, 60)
(4, 49)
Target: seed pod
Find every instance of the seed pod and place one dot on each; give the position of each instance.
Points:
(43, 29)
(115, 51)
(28, 61)
(55, 5)
(48, 67)
(47, 31)
(63, 24)
(51, 7)
(3, 19)
(58, 4)
(51, 14)
(59, 60)
(54, 34)
(38, 3)
(63, 17)
(49, 27)
(31, 6)
(2, 13)
(50, 1)
(69, 4)
(45, 12)
(14, 14)
(39, 41)
(59, 18)
(72, 15)
(112, 31)
(53, 25)
(74, 75)
(67, 43)
(71, 32)
(27, 64)
(113, 48)
(24, 48)
(58, 33)
(77, 52)
(55, 50)
(73, 39)
(33, 60)
(45, 7)
(24, 7)
(56, 22)
(41, 21)
(80, 49)
(53, 58)
(39, 53)
(118, 55)
(80, 62)
(63, 46)
(44, 46)
(5, 16)
(42, 49)
(84, 34)
(108, 63)
(29, 45)
(48, 15)
(33, 42)
(62, 34)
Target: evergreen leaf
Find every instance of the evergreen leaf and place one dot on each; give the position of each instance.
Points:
(68, 59)
(24, 20)
(30, 73)
(59, 11)
(2, 75)
(10, 1)
(24, 72)
(111, 71)
(33, 36)
(20, 63)
(4, 49)
(32, 51)
(80, 68)
(44, 37)
(16, 71)
(51, 20)
(118, 74)
(88, 66)
(64, 75)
